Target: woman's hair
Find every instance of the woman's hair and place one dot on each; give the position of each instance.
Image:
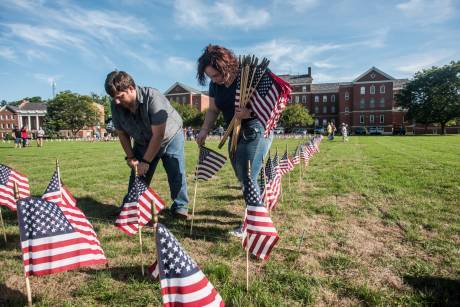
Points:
(221, 59)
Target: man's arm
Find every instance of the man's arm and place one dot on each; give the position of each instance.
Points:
(125, 142)
(158, 133)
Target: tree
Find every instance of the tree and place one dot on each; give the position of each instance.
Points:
(70, 111)
(190, 115)
(295, 115)
(433, 96)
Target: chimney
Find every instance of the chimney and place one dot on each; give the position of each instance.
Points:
(309, 71)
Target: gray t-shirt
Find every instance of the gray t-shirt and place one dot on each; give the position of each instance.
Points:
(152, 109)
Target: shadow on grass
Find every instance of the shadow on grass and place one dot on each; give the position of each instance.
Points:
(95, 209)
(12, 242)
(206, 221)
(123, 273)
(219, 212)
(436, 291)
(228, 197)
(11, 297)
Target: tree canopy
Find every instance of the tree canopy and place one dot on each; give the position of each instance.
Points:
(296, 115)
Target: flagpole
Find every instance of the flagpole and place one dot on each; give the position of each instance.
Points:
(247, 241)
(140, 232)
(265, 182)
(3, 225)
(289, 173)
(281, 179)
(29, 291)
(300, 164)
(194, 193)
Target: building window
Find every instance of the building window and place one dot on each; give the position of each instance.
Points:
(183, 99)
(333, 98)
(382, 89)
(296, 99)
(316, 122)
(325, 109)
(361, 119)
(382, 118)
(333, 109)
(316, 98)
(1, 116)
(304, 88)
(347, 96)
(372, 103)
(7, 126)
(1, 124)
(347, 110)
(372, 90)
(362, 104)
(324, 122)
(362, 90)
(316, 109)
(304, 99)
(382, 102)
(324, 98)
(371, 118)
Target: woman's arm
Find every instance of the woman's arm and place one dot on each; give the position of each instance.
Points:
(209, 120)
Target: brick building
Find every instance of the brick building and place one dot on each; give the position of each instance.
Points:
(368, 101)
(25, 114)
(185, 94)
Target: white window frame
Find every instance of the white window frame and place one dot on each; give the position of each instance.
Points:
(347, 96)
(382, 102)
(316, 98)
(316, 109)
(316, 122)
(371, 118)
(332, 98)
(362, 90)
(324, 109)
(304, 99)
(184, 99)
(332, 109)
(347, 110)
(361, 119)
(296, 99)
(362, 103)
(324, 98)
(372, 103)
(382, 89)
(382, 118)
(1, 116)
(7, 126)
(324, 121)
(1, 126)
(304, 88)
(372, 89)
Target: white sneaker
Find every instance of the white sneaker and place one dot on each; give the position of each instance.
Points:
(237, 232)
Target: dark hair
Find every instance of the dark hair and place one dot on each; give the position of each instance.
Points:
(118, 81)
(221, 59)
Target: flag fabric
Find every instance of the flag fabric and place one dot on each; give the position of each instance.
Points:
(305, 153)
(182, 282)
(262, 184)
(296, 156)
(209, 163)
(273, 183)
(269, 98)
(137, 209)
(49, 242)
(285, 165)
(57, 193)
(8, 177)
(154, 270)
(259, 233)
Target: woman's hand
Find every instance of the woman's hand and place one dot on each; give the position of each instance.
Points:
(242, 113)
(201, 137)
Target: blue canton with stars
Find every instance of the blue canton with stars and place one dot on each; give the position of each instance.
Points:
(265, 83)
(174, 262)
(136, 191)
(53, 186)
(5, 172)
(39, 218)
(269, 170)
(251, 196)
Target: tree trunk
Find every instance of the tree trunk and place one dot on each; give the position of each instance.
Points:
(443, 128)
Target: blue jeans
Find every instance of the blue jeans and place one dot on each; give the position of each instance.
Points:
(252, 146)
(172, 157)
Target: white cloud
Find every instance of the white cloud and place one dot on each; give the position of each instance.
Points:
(196, 13)
(428, 11)
(7, 53)
(48, 79)
(324, 64)
(178, 64)
(302, 5)
(410, 64)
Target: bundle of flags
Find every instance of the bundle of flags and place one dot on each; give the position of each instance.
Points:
(209, 163)
(181, 280)
(8, 178)
(136, 210)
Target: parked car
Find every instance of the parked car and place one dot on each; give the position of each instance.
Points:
(360, 131)
(278, 130)
(319, 130)
(299, 131)
(375, 131)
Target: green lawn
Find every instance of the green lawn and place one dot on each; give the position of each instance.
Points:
(375, 221)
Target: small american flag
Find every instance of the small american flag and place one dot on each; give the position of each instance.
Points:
(209, 163)
(137, 209)
(296, 156)
(285, 165)
(305, 153)
(182, 282)
(58, 193)
(269, 98)
(49, 242)
(259, 233)
(8, 177)
(273, 183)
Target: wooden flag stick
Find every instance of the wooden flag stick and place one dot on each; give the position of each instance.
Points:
(289, 173)
(3, 225)
(28, 289)
(142, 252)
(194, 200)
(247, 241)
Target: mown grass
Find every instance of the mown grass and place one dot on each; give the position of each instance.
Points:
(375, 221)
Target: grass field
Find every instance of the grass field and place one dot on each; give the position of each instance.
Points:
(375, 221)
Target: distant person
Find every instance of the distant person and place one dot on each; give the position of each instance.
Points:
(344, 132)
(330, 134)
(24, 136)
(221, 131)
(40, 136)
(17, 137)
(189, 133)
(144, 115)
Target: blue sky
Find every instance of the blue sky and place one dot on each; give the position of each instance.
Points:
(77, 43)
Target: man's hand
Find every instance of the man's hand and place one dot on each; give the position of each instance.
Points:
(201, 137)
(132, 163)
(242, 113)
(142, 168)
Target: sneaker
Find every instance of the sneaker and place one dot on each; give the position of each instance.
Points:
(237, 232)
(180, 213)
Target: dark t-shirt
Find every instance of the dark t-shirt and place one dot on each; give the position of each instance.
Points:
(224, 98)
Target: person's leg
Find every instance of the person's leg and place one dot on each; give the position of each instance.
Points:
(174, 164)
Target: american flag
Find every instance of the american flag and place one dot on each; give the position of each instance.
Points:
(58, 193)
(296, 156)
(269, 98)
(137, 209)
(305, 153)
(259, 233)
(285, 165)
(49, 242)
(182, 282)
(273, 183)
(8, 177)
(262, 184)
(209, 163)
